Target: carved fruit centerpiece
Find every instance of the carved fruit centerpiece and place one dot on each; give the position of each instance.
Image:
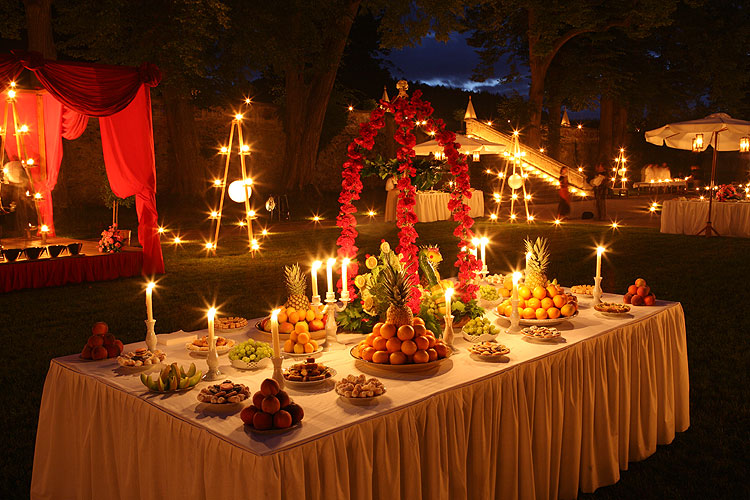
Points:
(297, 315)
(402, 338)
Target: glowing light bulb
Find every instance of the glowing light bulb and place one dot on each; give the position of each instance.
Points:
(515, 133)
(214, 214)
(247, 100)
(615, 225)
(351, 108)
(238, 116)
(431, 132)
(264, 232)
(161, 230)
(488, 171)
(241, 223)
(209, 245)
(371, 213)
(530, 218)
(489, 122)
(217, 182)
(245, 148)
(30, 161)
(501, 175)
(177, 240)
(652, 208)
(541, 150)
(580, 169)
(11, 94)
(513, 216)
(557, 222)
(254, 245)
(316, 218)
(493, 216)
(37, 196)
(527, 197)
(23, 129)
(514, 196)
(580, 126)
(251, 213)
(525, 175)
(224, 150)
(45, 228)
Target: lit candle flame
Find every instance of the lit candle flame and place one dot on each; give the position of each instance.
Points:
(600, 250)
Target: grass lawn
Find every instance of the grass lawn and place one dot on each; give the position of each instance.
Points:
(707, 461)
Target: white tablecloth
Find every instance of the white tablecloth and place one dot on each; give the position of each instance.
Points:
(553, 420)
(688, 217)
(433, 205)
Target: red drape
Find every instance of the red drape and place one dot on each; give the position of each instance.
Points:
(119, 96)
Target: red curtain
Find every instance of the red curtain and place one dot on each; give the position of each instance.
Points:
(118, 95)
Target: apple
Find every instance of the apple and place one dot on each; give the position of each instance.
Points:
(649, 300)
(632, 289)
(98, 352)
(258, 399)
(99, 328)
(112, 351)
(283, 398)
(637, 300)
(296, 412)
(248, 413)
(282, 420)
(86, 354)
(640, 282)
(643, 291)
(109, 339)
(95, 340)
(270, 404)
(262, 421)
(628, 298)
(269, 387)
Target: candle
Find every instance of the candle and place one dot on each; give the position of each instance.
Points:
(344, 282)
(516, 279)
(484, 242)
(211, 335)
(329, 273)
(599, 252)
(448, 294)
(275, 333)
(149, 304)
(316, 265)
(475, 242)
(528, 256)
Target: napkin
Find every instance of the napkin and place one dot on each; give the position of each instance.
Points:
(175, 338)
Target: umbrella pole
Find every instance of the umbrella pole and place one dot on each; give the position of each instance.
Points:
(709, 228)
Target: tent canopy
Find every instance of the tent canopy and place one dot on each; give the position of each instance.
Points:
(468, 145)
(680, 135)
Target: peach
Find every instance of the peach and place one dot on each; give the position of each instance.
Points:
(643, 291)
(282, 420)
(258, 399)
(86, 353)
(98, 352)
(109, 339)
(408, 347)
(632, 289)
(96, 340)
(262, 420)
(99, 328)
(649, 300)
(627, 298)
(269, 387)
(284, 399)
(286, 328)
(393, 345)
(407, 332)
(637, 300)
(640, 282)
(397, 358)
(381, 357)
(432, 353)
(388, 330)
(295, 411)
(248, 413)
(112, 351)
(270, 404)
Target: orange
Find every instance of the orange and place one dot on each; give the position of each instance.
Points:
(541, 313)
(406, 332)
(529, 313)
(283, 317)
(302, 327)
(408, 347)
(289, 311)
(508, 310)
(293, 336)
(508, 282)
(534, 303)
(432, 353)
(318, 315)
(540, 292)
(568, 310)
(505, 292)
(422, 343)
(381, 357)
(286, 328)
(314, 344)
(524, 292)
(289, 346)
(310, 315)
(293, 316)
(388, 330)
(551, 291)
(379, 343)
(547, 303)
(299, 348)
(553, 313)
(419, 330)
(316, 325)
(431, 340)
(309, 348)
(371, 337)
(417, 321)
(421, 357)
(559, 300)
(393, 344)
(521, 303)
(367, 353)
(303, 338)
(376, 329)
(397, 358)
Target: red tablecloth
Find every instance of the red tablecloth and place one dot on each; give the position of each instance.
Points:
(63, 270)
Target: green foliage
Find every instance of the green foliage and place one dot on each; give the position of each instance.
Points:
(430, 320)
(461, 310)
(429, 171)
(354, 320)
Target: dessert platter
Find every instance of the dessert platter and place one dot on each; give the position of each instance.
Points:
(250, 354)
(612, 310)
(479, 330)
(488, 351)
(173, 378)
(225, 393)
(230, 324)
(272, 411)
(358, 389)
(307, 374)
(200, 345)
(583, 290)
(141, 358)
(541, 334)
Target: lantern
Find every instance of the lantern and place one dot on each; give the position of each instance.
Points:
(237, 190)
(698, 143)
(515, 181)
(475, 157)
(744, 144)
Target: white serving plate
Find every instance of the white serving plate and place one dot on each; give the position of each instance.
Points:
(296, 384)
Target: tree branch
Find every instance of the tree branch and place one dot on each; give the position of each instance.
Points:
(574, 33)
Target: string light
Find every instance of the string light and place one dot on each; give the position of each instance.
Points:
(177, 240)
(209, 245)
(493, 216)
(371, 213)
(161, 230)
(214, 214)
(217, 182)
(351, 108)
(513, 216)
(557, 222)
(247, 100)
(241, 223)
(254, 245)
(316, 218)
(530, 218)
(244, 149)
(251, 213)
(224, 150)
(264, 232)
(238, 116)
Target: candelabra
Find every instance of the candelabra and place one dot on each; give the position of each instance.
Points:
(331, 309)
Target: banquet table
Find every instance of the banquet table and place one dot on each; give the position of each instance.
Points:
(433, 205)
(729, 218)
(549, 421)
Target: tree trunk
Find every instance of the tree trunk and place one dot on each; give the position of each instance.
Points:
(606, 107)
(306, 103)
(39, 27)
(187, 169)
(554, 106)
(620, 126)
(536, 101)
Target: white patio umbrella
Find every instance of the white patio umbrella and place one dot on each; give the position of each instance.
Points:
(719, 130)
(469, 145)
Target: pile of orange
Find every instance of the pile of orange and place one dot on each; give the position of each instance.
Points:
(541, 303)
(406, 344)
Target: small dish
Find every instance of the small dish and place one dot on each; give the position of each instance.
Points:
(253, 365)
(310, 383)
(273, 431)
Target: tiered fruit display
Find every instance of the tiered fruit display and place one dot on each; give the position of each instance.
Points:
(271, 409)
(300, 343)
(297, 315)
(541, 303)
(639, 294)
(101, 344)
(173, 378)
(402, 339)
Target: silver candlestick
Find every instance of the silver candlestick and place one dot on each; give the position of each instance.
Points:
(150, 335)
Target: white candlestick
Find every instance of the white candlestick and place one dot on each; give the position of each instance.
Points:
(475, 242)
(484, 242)
(211, 333)
(599, 252)
(316, 265)
(528, 256)
(516, 279)
(149, 303)
(275, 333)
(344, 281)
(448, 295)
(329, 273)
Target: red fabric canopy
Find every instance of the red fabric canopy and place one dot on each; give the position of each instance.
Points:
(119, 97)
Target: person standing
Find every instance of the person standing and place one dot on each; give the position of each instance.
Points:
(599, 182)
(563, 207)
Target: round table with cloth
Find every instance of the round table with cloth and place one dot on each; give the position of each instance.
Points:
(548, 421)
(729, 218)
(433, 205)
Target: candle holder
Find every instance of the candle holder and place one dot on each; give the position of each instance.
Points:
(331, 309)
(316, 301)
(515, 326)
(448, 334)
(44, 237)
(212, 360)
(150, 335)
(597, 290)
(277, 373)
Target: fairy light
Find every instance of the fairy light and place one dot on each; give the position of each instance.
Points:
(224, 150)
(371, 213)
(177, 240)
(23, 129)
(488, 171)
(247, 100)
(541, 150)
(241, 223)
(217, 182)
(30, 161)
(11, 94)
(431, 132)
(580, 169)
(209, 245)
(254, 245)
(351, 108)
(316, 218)
(489, 122)
(161, 230)
(527, 197)
(513, 216)
(214, 214)
(501, 175)
(515, 133)
(556, 222)
(493, 216)
(251, 213)
(244, 149)
(264, 232)
(530, 218)
(580, 126)
(514, 196)
(37, 196)
(615, 225)
(238, 116)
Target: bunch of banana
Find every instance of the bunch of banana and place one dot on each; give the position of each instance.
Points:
(172, 378)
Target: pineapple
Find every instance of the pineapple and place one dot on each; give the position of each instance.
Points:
(396, 290)
(536, 269)
(296, 285)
